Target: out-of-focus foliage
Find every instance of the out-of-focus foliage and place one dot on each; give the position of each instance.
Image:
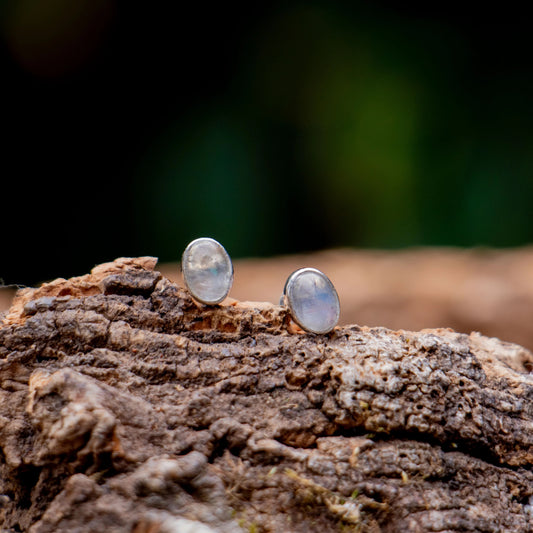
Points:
(294, 127)
(342, 129)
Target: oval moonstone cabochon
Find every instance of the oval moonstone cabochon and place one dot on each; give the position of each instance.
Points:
(207, 270)
(312, 300)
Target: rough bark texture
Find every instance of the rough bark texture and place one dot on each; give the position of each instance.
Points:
(126, 406)
(484, 290)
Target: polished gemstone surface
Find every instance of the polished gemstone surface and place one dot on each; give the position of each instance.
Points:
(207, 270)
(312, 300)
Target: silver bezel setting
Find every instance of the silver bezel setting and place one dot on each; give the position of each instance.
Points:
(184, 259)
(287, 298)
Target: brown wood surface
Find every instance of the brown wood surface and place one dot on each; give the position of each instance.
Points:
(490, 291)
(126, 406)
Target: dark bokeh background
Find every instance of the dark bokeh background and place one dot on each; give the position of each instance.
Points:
(131, 128)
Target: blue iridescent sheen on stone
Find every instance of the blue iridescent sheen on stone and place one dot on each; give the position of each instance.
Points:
(312, 300)
(207, 270)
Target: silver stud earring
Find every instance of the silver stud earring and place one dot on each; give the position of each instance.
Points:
(312, 300)
(207, 270)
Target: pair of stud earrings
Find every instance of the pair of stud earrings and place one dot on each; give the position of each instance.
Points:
(308, 293)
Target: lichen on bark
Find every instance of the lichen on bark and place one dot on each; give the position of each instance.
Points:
(126, 406)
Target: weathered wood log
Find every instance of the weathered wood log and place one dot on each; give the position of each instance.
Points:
(126, 406)
(490, 291)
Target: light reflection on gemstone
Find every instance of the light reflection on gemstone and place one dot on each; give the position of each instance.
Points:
(207, 270)
(312, 300)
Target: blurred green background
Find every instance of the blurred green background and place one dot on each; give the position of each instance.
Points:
(286, 127)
